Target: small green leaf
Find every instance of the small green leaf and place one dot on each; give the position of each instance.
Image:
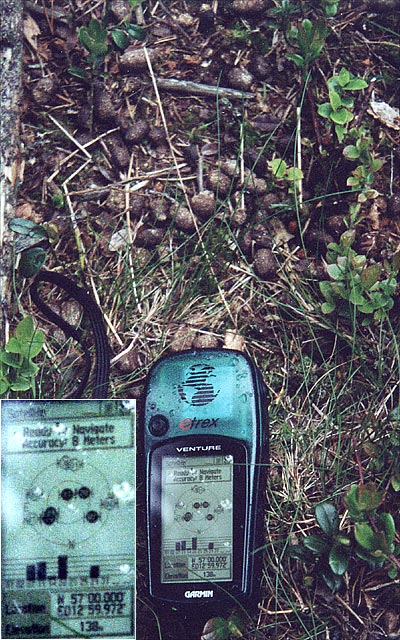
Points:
(4, 386)
(85, 38)
(395, 481)
(294, 173)
(348, 101)
(370, 275)
(333, 246)
(339, 289)
(326, 288)
(96, 31)
(10, 358)
(362, 499)
(340, 131)
(315, 544)
(93, 38)
(32, 349)
(347, 238)
(298, 552)
(343, 77)
(374, 542)
(356, 297)
(77, 72)
(25, 329)
(341, 116)
(335, 101)
(343, 261)
(358, 261)
(136, 32)
(376, 561)
(21, 384)
(386, 522)
(28, 342)
(278, 167)
(376, 164)
(351, 501)
(366, 308)
(308, 29)
(351, 152)
(393, 573)
(333, 83)
(353, 182)
(369, 496)
(327, 518)
(331, 10)
(13, 345)
(339, 559)
(28, 369)
(98, 49)
(355, 84)
(215, 629)
(120, 38)
(335, 272)
(236, 626)
(32, 260)
(325, 110)
(27, 228)
(332, 580)
(328, 307)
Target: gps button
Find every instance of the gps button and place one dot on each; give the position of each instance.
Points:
(158, 425)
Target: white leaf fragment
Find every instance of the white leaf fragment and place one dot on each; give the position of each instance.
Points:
(119, 240)
(390, 116)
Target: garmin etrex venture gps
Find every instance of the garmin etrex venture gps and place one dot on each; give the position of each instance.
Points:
(206, 440)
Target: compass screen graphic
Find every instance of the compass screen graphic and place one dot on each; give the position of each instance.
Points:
(197, 519)
(68, 518)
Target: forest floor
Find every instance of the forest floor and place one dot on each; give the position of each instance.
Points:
(228, 175)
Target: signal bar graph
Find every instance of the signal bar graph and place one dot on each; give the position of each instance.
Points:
(38, 571)
(181, 545)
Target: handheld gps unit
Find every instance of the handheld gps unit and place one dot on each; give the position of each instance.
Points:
(206, 446)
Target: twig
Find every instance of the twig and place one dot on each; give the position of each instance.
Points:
(359, 463)
(187, 86)
(105, 315)
(73, 153)
(70, 136)
(53, 13)
(130, 238)
(75, 227)
(314, 117)
(349, 609)
(242, 180)
(299, 183)
(365, 103)
(139, 15)
(200, 173)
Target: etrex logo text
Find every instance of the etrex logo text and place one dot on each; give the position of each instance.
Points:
(194, 423)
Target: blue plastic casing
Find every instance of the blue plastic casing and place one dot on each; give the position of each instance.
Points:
(205, 416)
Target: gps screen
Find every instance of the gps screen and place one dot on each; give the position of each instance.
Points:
(68, 518)
(197, 519)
